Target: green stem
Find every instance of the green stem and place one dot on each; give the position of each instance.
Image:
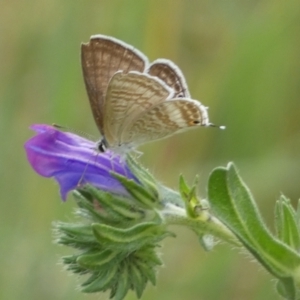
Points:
(205, 223)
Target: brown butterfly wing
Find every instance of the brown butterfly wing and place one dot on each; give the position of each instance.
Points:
(168, 72)
(101, 58)
(165, 119)
(129, 96)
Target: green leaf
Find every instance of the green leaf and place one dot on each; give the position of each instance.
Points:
(186, 194)
(138, 280)
(189, 194)
(144, 198)
(145, 177)
(148, 254)
(75, 235)
(286, 288)
(115, 206)
(148, 272)
(97, 259)
(183, 187)
(102, 280)
(131, 238)
(86, 203)
(123, 284)
(287, 223)
(233, 204)
(123, 235)
(116, 243)
(298, 214)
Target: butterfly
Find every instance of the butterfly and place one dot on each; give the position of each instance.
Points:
(134, 101)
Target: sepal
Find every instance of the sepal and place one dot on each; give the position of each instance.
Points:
(116, 244)
(129, 239)
(144, 176)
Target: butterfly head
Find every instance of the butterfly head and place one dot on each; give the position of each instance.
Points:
(102, 145)
(122, 149)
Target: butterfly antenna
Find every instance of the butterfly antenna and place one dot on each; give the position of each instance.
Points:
(113, 155)
(79, 132)
(216, 126)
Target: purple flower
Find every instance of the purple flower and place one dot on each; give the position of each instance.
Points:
(74, 161)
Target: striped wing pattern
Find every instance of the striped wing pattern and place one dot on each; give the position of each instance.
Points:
(128, 96)
(168, 72)
(101, 58)
(134, 102)
(165, 119)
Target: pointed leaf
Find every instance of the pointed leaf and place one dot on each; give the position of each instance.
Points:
(138, 280)
(97, 260)
(143, 197)
(233, 204)
(102, 281)
(122, 284)
(286, 223)
(183, 187)
(149, 272)
(116, 206)
(146, 178)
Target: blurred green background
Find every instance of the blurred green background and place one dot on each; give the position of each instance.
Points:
(240, 58)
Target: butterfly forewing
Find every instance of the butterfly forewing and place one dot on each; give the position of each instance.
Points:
(101, 58)
(171, 75)
(165, 119)
(128, 97)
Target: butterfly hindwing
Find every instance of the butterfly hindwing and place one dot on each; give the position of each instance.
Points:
(129, 96)
(168, 72)
(165, 119)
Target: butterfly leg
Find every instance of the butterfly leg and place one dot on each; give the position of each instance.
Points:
(81, 180)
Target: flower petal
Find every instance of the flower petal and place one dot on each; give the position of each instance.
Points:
(73, 161)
